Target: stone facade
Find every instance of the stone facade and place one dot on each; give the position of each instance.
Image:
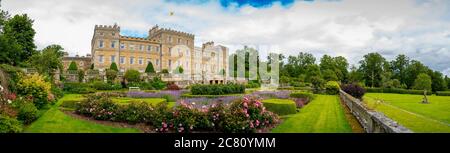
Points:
(83, 62)
(164, 48)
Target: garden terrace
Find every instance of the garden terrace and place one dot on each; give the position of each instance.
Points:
(409, 111)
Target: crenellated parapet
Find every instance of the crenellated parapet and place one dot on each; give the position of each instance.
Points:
(107, 27)
(139, 39)
(156, 30)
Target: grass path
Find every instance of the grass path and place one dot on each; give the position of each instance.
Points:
(323, 115)
(409, 112)
(56, 121)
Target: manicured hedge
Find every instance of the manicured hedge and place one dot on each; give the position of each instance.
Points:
(395, 90)
(100, 85)
(217, 89)
(306, 95)
(78, 88)
(443, 93)
(280, 106)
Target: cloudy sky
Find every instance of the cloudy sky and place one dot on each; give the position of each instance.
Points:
(351, 28)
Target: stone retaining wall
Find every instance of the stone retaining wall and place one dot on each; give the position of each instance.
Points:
(371, 121)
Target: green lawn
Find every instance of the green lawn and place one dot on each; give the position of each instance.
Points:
(410, 112)
(322, 115)
(55, 121)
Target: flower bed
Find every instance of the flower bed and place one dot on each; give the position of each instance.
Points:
(302, 98)
(242, 115)
(283, 94)
(169, 95)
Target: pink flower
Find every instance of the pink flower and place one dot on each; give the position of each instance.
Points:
(245, 99)
(251, 124)
(257, 122)
(245, 105)
(257, 104)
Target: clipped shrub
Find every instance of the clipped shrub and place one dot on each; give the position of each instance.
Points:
(113, 67)
(132, 75)
(307, 95)
(354, 90)
(217, 89)
(149, 68)
(9, 125)
(280, 106)
(27, 113)
(332, 87)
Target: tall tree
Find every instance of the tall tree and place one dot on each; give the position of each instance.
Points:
(447, 79)
(4, 16)
(20, 28)
(338, 65)
(48, 60)
(412, 71)
(422, 82)
(372, 68)
(399, 66)
(298, 64)
(355, 76)
(438, 81)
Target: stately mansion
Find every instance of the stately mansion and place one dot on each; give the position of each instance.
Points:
(166, 49)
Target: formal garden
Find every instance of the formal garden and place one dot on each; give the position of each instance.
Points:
(34, 99)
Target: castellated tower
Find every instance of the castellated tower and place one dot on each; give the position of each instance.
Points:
(105, 41)
(174, 42)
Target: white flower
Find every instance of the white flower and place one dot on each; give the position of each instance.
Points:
(9, 101)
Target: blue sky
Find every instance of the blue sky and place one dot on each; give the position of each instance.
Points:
(350, 28)
(239, 3)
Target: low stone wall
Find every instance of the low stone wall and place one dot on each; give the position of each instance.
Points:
(371, 121)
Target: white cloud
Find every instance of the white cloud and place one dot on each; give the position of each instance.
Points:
(350, 28)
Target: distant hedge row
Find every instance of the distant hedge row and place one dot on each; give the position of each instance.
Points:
(217, 89)
(443, 93)
(395, 90)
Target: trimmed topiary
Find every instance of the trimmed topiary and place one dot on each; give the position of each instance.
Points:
(280, 106)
